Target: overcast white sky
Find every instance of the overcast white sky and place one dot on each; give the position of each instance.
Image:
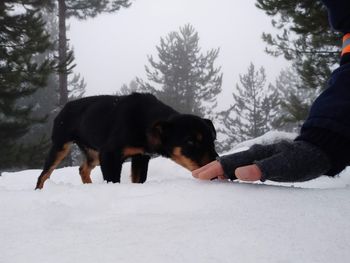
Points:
(112, 49)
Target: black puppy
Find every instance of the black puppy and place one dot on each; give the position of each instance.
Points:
(110, 129)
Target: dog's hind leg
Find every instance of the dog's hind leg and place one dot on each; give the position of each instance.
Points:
(139, 167)
(56, 154)
(90, 162)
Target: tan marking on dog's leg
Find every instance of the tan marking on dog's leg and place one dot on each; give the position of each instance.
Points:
(182, 160)
(94, 157)
(135, 173)
(84, 171)
(91, 162)
(60, 156)
(135, 177)
(43, 178)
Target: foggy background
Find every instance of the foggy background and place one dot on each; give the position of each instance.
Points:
(112, 49)
(243, 90)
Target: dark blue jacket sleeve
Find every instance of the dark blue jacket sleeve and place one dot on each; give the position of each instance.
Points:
(328, 123)
(331, 110)
(339, 14)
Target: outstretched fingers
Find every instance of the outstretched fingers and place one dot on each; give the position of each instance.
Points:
(209, 171)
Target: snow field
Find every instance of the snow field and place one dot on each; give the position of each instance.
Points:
(171, 218)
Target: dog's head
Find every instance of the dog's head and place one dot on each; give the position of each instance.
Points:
(186, 139)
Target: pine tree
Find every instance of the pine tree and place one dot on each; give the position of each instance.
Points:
(76, 90)
(184, 77)
(295, 101)
(45, 103)
(22, 40)
(81, 10)
(254, 108)
(128, 89)
(76, 87)
(305, 38)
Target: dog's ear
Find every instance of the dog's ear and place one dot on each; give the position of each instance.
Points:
(212, 128)
(157, 133)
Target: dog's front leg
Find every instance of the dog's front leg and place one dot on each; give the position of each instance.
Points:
(111, 166)
(139, 167)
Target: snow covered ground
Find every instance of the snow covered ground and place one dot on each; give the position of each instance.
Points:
(172, 218)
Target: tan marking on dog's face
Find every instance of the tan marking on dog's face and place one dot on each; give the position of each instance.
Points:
(130, 151)
(182, 160)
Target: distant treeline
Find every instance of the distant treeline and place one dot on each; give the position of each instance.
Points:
(36, 77)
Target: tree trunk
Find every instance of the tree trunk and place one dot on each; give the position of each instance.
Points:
(62, 57)
(62, 53)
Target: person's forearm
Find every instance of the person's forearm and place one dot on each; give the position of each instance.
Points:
(285, 161)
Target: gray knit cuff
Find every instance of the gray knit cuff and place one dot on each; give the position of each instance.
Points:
(294, 162)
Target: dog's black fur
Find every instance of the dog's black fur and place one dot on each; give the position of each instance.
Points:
(110, 129)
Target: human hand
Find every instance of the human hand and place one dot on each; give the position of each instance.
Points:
(285, 161)
(214, 170)
(210, 171)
